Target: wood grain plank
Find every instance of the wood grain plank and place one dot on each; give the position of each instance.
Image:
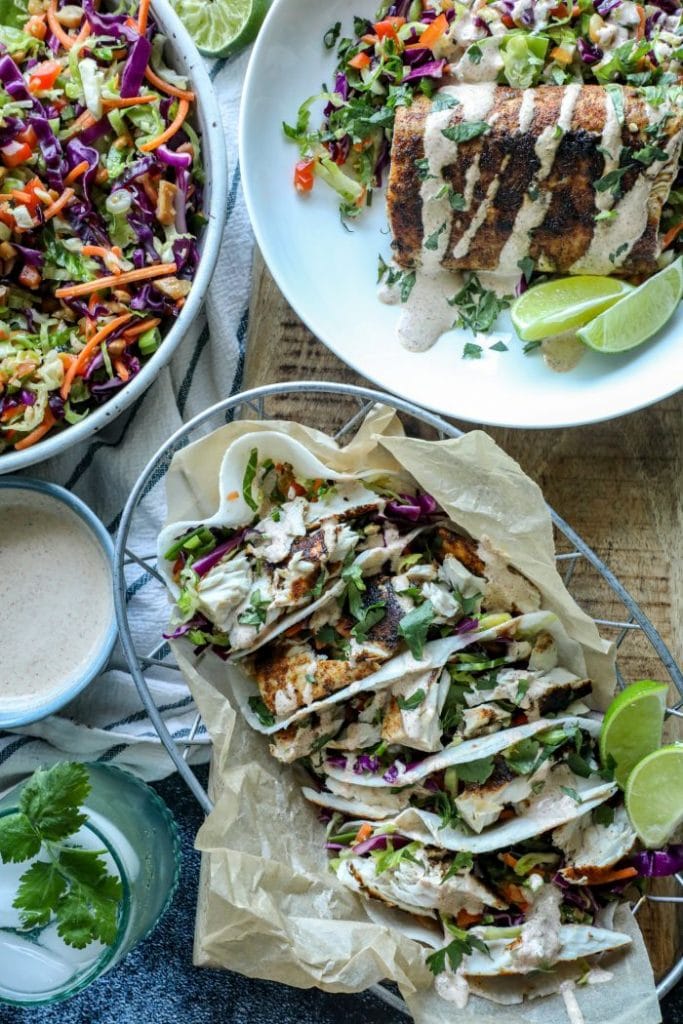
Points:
(619, 484)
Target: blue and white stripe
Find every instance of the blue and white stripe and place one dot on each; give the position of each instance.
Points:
(107, 722)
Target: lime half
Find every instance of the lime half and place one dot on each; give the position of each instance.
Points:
(632, 726)
(639, 315)
(562, 305)
(221, 27)
(654, 795)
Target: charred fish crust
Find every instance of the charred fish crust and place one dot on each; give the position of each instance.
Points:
(385, 632)
(404, 205)
(562, 696)
(499, 777)
(356, 512)
(530, 182)
(448, 543)
(312, 546)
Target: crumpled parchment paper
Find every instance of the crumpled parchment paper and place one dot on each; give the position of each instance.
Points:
(268, 906)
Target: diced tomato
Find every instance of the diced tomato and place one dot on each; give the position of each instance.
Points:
(360, 61)
(298, 488)
(29, 188)
(15, 153)
(561, 11)
(44, 76)
(29, 137)
(507, 20)
(304, 176)
(387, 29)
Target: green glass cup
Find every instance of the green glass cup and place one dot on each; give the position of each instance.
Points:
(139, 837)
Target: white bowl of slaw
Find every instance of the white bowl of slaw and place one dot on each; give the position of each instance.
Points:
(183, 56)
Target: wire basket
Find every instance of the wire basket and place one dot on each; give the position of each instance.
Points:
(339, 409)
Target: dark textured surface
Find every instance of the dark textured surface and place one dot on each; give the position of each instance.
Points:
(157, 982)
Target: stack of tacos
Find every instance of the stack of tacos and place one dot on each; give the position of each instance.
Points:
(432, 706)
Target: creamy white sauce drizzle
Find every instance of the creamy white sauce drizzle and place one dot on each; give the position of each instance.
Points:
(562, 352)
(532, 212)
(57, 604)
(613, 240)
(573, 1009)
(426, 314)
(453, 987)
(472, 176)
(611, 149)
(526, 110)
(490, 63)
(463, 245)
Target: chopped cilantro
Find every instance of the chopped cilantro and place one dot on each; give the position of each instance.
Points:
(465, 131)
(412, 702)
(264, 716)
(476, 771)
(414, 627)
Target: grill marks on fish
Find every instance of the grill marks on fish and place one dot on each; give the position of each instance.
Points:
(534, 190)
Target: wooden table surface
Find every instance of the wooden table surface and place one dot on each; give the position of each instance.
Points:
(618, 484)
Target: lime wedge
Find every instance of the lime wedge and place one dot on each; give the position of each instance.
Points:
(639, 315)
(654, 795)
(561, 305)
(221, 27)
(632, 726)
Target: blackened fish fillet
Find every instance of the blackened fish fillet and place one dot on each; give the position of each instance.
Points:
(511, 175)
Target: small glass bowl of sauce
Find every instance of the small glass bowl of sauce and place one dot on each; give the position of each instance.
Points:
(58, 623)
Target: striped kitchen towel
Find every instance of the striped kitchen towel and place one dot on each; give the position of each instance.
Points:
(107, 722)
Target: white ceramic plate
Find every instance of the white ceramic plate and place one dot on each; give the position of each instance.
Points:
(183, 55)
(328, 274)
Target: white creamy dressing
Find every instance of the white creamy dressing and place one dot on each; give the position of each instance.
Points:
(562, 352)
(57, 603)
(573, 1009)
(453, 987)
(426, 314)
(532, 212)
(613, 240)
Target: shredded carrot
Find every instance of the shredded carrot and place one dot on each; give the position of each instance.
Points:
(640, 31)
(363, 833)
(76, 172)
(162, 86)
(66, 359)
(19, 196)
(121, 370)
(35, 435)
(10, 414)
(83, 34)
(65, 39)
(360, 61)
(183, 108)
(145, 325)
(671, 235)
(95, 250)
(158, 270)
(126, 101)
(600, 876)
(82, 122)
(508, 859)
(59, 204)
(81, 361)
(233, 495)
(142, 16)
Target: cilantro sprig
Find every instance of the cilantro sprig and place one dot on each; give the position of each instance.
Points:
(67, 884)
(462, 944)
